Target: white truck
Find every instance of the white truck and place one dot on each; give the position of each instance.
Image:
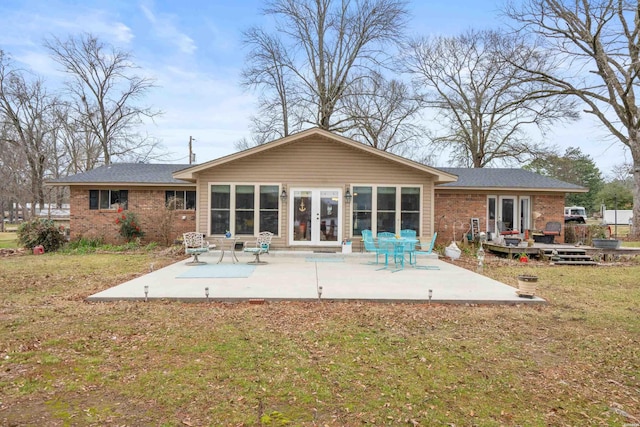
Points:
(575, 214)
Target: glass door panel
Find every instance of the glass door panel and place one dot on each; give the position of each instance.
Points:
(302, 200)
(329, 216)
(507, 213)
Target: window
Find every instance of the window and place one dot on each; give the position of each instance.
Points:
(108, 199)
(388, 206)
(362, 209)
(410, 209)
(245, 200)
(269, 213)
(220, 208)
(491, 214)
(386, 209)
(255, 209)
(180, 200)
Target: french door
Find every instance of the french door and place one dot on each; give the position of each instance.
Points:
(315, 216)
(507, 208)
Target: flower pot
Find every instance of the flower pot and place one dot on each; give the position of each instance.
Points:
(527, 286)
(605, 243)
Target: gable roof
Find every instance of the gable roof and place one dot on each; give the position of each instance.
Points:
(189, 174)
(506, 179)
(126, 173)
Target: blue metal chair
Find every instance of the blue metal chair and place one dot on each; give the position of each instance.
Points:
(428, 249)
(410, 247)
(394, 250)
(411, 234)
(370, 245)
(386, 235)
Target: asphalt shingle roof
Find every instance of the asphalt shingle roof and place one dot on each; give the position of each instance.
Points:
(143, 173)
(505, 178)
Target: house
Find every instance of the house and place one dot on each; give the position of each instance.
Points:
(313, 190)
(145, 189)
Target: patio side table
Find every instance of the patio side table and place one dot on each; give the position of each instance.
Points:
(228, 244)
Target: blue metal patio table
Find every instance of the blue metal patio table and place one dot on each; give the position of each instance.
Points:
(397, 247)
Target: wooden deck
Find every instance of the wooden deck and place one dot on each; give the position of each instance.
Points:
(538, 249)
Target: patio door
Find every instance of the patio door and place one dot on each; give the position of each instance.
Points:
(315, 216)
(507, 211)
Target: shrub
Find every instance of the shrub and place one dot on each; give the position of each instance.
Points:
(41, 232)
(129, 226)
(84, 245)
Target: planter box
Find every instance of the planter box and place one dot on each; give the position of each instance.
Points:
(605, 243)
(527, 286)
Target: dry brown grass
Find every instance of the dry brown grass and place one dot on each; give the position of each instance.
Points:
(574, 362)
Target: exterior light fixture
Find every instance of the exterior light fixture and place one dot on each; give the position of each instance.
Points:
(206, 293)
(319, 292)
(347, 195)
(146, 292)
(430, 295)
(283, 195)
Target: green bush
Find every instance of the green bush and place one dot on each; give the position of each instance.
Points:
(84, 245)
(41, 232)
(129, 226)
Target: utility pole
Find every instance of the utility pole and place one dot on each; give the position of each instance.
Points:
(191, 139)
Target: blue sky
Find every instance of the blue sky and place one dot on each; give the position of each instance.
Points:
(193, 49)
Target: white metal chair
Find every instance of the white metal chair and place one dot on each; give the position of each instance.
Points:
(260, 246)
(195, 244)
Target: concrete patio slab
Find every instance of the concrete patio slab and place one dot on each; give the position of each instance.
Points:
(300, 276)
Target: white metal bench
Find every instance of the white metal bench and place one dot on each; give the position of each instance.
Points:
(259, 247)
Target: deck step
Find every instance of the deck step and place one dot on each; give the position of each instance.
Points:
(565, 251)
(581, 262)
(568, 256)
(576, 257)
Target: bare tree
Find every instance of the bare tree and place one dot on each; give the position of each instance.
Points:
(26, 110)
(319, 46)
(105, 90)
(596, 44)
(267, 72)
(485, 104)
(78, 146)
(384, 113)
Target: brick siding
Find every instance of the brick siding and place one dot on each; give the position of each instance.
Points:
(457, 207)
(148, 204)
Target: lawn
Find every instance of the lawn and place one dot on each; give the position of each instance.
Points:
(8, 240)
(573, 362)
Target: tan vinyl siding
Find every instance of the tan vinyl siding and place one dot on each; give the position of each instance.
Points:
(315, 162)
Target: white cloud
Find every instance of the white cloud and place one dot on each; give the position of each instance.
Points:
(39, 62)
(164, 28)
(212, 110)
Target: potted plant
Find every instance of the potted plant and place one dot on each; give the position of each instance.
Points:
(523, 257)
(527, 285)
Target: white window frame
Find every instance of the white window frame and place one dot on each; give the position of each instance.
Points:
(517, 211)
(232, 203)
(374, 206)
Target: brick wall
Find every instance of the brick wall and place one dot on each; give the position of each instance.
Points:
(147, 203)
(551, 208)
(457, 207)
